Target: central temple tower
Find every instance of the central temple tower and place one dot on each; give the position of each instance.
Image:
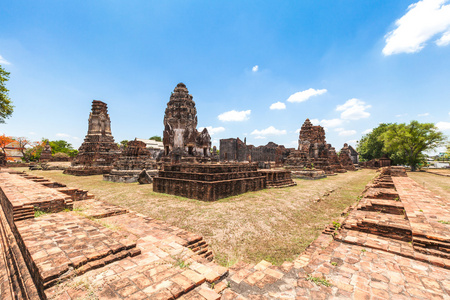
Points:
(181, 138)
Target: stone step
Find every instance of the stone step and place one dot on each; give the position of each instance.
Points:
(387, 225)
(384, 206)
(432, 247)
(101, 261)
(397, 247)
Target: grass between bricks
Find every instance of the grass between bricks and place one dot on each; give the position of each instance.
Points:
(273, 224)
(318, 281)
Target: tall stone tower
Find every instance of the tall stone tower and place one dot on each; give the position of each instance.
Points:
(181, 138)
(98, 151)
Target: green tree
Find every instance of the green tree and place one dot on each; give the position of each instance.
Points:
(156, 138)
(60, 146)
(371, 146)
(123, 143)
(410, 140)
(6, 107)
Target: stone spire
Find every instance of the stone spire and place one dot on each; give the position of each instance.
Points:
(98, 151)
(99, 122)
(181, 138)
(181, 111)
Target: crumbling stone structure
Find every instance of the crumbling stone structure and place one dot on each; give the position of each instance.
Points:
(236, 150)
(46, 153)
(376, 163)
(208, 182)
(135, 158)
(278, 178)
(313, 151)
(345, 158)
(333, 158)
(98, 151)
(182, 141)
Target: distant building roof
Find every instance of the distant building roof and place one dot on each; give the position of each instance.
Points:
(13, 149)
(151, 144)
(354, 152)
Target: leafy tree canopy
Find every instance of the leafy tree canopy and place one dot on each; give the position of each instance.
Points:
(402, 143)
(6, 107)
(371, 146)
(410, 140)
(156, 138)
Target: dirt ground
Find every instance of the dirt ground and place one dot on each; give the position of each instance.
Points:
(272, 224)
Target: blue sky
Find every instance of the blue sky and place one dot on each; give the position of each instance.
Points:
(256, 69)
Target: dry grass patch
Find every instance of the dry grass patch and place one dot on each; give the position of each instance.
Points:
(272, 224)
(440, 185)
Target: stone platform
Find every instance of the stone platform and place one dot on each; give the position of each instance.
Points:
(208, 182)
(21, 197)
(278, 178)
(375, 253)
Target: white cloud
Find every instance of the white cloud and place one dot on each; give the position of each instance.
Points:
(400, 115)
(423, 115)
(367, 131)
(62, 135)
(4, 61)
(444, 40)
(422, 21)
(347, 132)
(255, 68)
(268, 131)
(236, 116)
(278, 105)
(298, 130)
(352, 142)
(327, 123)
(443, 125)
(259, 137)
(212, 130)
(343, 132)
(292, 144)
(354, 109)
(31, 133)
(305, 95)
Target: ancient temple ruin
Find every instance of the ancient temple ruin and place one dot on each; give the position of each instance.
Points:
(134, 159)
(345, 158)
(209, 182)
(236, 150)
(46, 153)
(98, 151)
(312, 150)
(182, 142)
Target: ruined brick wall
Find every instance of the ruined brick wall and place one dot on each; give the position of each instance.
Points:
(236, 150)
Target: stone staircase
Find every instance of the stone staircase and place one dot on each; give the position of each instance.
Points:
(387, 218)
